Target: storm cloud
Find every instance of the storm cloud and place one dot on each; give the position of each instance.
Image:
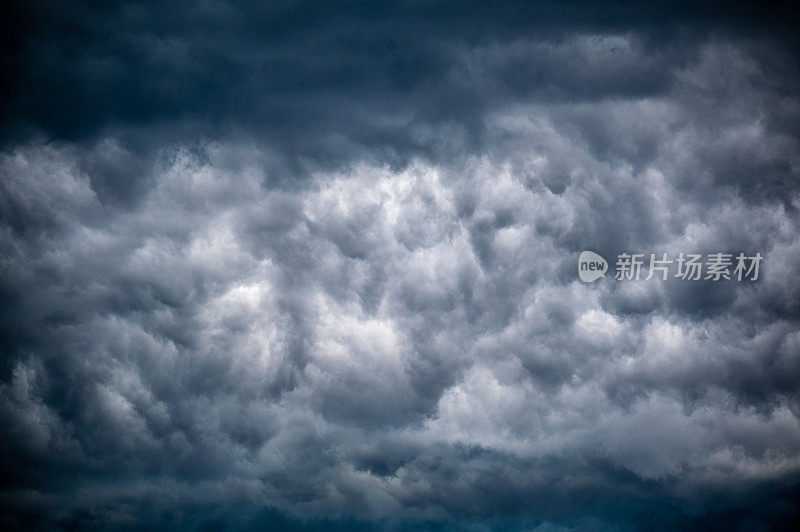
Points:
(313, 266)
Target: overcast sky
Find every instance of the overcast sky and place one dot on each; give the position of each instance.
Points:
(315, 265)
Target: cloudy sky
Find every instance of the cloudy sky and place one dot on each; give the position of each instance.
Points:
(314, 266)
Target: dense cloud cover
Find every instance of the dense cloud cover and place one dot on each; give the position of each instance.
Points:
(314, 266)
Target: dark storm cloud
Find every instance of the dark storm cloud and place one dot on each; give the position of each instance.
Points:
(325, 82)
(313, 266)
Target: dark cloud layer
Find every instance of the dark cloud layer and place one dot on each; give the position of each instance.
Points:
(312, 266)
(323, 82)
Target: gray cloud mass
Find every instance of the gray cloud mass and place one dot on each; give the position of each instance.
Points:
(313, 266)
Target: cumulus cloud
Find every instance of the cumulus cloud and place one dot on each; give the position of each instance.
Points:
(314, 267)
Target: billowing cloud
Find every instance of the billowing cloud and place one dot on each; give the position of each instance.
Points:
(314, 267)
